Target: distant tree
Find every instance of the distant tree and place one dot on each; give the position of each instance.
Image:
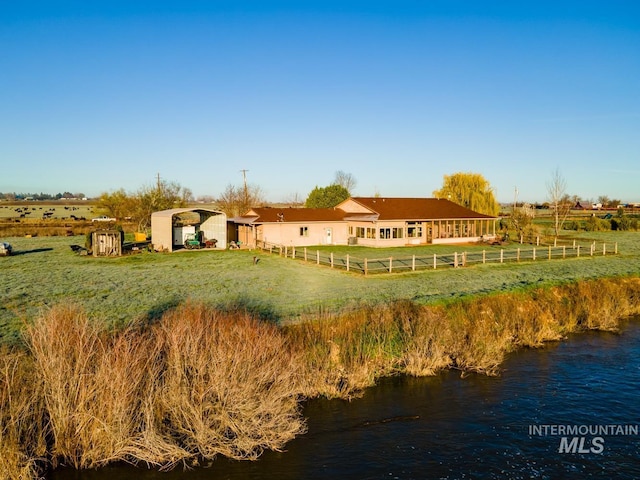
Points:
(235, 201)
(521, 220)
(559, 201)
(604, 201)
(345, 180)
(116, 204)
(326, 197)
(470, 190)
(162, 196)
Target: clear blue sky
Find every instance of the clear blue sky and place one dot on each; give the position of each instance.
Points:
(97, 96)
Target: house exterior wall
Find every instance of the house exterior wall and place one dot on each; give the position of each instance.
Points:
(302, 234)
(402, 233)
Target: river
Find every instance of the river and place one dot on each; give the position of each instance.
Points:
(448, 427)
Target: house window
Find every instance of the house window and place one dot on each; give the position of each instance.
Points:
(397, 232)
(350, 231)
(385, 233)
(414, 230)
(360, 233)
(304, 231)
(371, 233)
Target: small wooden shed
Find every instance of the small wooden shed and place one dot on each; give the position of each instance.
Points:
(171, 228)
(107, 243)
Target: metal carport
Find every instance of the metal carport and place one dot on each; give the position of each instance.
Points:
(168, 227)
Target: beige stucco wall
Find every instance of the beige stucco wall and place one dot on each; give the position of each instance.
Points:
(288, 234)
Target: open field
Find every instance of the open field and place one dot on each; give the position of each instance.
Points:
(45, 272)
(165, 359)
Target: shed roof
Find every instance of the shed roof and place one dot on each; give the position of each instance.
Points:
(176, 211)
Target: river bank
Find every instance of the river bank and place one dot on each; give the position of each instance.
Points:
(202, 383)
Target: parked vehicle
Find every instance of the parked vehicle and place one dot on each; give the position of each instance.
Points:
(5, 249)
(103, 218)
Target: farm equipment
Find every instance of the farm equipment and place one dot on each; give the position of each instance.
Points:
(192, 241)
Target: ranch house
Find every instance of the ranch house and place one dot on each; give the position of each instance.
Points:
(370, 221)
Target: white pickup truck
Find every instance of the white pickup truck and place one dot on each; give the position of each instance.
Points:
(103, 218)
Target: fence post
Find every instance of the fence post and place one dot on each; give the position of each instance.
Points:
(574, 244)
(604, 249)
(501, 255)
(615, 248)
(455, 259)
(347, 262)
(366, 268)
(435, 261)
(305, 254)
(464, 259)
(318, 257)
(555, 242)
(413, 263)
(564, 251)
(390, 264)
(518, 254)
(534, 253)
(484, 256)
(550, 250)
(538, 241)
(293, 252)
(578, 251)
(331, 259)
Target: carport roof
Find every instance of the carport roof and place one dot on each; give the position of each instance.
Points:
(176, 211)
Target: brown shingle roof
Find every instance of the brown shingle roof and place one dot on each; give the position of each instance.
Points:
(416, 208)
(268, 215)
(412, 209)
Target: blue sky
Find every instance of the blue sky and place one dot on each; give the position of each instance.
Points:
(97, 96)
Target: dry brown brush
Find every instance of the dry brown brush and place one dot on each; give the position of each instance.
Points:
(202, 382)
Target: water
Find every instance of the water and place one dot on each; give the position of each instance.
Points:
(447, 427)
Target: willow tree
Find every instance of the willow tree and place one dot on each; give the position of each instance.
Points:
(470, 190)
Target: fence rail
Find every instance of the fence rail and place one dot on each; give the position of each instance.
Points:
(392, 264)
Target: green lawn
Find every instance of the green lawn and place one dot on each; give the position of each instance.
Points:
(45, 271)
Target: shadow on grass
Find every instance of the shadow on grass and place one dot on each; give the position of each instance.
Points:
(254, 306)
(155, 313)
(35, 250)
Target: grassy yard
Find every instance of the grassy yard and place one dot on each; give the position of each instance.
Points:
(45, 272)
